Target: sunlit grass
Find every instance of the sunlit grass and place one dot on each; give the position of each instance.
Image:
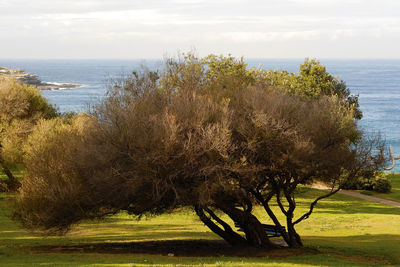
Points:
(345, 230)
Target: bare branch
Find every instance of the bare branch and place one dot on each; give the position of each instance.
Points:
(306, 215)
(278, 200)
(392, 157)
(226, 226)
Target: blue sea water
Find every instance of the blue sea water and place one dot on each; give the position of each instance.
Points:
(376, 81)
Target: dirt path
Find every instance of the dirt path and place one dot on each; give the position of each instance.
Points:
(358, 195)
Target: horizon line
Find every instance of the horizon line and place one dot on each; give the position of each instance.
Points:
(245, 58)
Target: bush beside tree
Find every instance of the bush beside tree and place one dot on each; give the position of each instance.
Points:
(21, 107)
(377, 182)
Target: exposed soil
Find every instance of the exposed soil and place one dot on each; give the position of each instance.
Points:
(190, 248)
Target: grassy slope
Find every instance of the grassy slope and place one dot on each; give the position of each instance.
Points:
(347, 231)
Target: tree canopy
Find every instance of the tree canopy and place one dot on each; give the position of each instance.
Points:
(207, 133)
(21, 107)
(314, 81)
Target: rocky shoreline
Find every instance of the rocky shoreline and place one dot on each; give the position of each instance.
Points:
(33, 79)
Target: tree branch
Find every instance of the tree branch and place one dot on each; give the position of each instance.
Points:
(278, 200)
(392, 157)
(270, 213)
(231, 237)
(226, 226)
(306, 215)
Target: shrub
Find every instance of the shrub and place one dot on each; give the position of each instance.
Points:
(359, 184)
(381, 185)
(376, 182)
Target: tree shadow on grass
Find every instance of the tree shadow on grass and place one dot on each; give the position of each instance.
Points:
(189, 248)
(372, 248)
(357, 250)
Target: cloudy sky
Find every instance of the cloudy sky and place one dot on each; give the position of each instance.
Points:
(45, 29)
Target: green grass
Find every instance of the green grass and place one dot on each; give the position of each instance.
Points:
(346, 232)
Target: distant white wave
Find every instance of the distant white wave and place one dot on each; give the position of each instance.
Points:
(55, 83)
(59, 85)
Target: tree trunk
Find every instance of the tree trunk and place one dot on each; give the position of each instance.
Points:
(13, 183)
(294, 238)
(227, 233)
(253, 229)
(271, 214)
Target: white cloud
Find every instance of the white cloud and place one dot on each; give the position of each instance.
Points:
(251, 37)
(157, 26)
(342, 33)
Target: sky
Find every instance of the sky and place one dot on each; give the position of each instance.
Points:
(131, 29)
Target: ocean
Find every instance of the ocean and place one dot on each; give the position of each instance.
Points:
(376, 81)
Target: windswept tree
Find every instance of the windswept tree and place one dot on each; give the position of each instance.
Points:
(21, 106)
(209, 134)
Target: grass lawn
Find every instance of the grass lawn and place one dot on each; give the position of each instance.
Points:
(395, 192)
(343, 231)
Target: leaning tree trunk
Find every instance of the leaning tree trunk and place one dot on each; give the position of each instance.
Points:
(255, 235)
(294, 237)
(13, 183)
(252, 227)
(227, 233)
